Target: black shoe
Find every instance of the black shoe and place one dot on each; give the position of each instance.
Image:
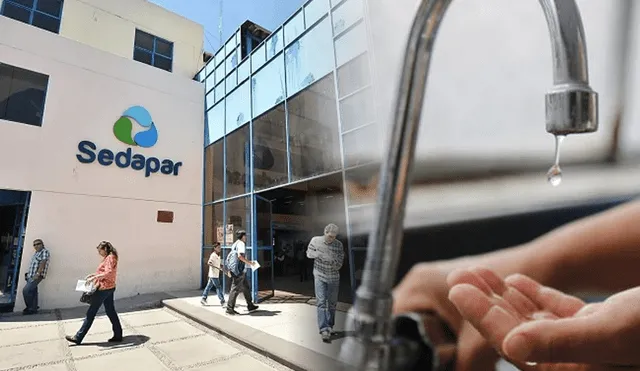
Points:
(72, 339)
(231, 312)
(115, 339)
(252, 308)
(28, 312)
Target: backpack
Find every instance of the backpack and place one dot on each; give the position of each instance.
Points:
(232, 263)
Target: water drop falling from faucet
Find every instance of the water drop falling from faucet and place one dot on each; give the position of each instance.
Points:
(554, 175)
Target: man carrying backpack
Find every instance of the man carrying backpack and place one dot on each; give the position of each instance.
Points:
(236, 264)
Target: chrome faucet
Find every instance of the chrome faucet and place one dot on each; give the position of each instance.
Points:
(380, 341)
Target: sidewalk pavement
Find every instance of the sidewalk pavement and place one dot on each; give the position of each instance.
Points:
(154, 340)
(284, 328)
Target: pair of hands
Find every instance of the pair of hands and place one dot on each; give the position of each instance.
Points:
(532, 326)
(91, 278)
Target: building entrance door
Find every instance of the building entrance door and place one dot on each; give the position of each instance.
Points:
(13, 216)
(263, 286)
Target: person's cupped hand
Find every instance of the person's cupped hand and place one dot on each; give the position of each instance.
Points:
(542, 329)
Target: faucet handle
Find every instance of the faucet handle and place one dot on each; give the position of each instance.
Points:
(571, 109)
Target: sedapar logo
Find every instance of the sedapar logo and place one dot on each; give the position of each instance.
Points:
(123, 131)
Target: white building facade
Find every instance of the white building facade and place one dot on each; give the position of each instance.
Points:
(95, 145)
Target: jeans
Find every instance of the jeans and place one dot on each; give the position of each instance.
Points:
(101, 297)
(326, 302)
(30, 295)
(239, 284)
(213, 282)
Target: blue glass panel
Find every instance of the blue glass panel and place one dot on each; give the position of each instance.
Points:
(268, 86)
(309, 58)
(244, 70)
(347, 14)
(258, 58)
(293, 28)
(238, 107)
(351, 44)
(274, 43)
(314, 11)
(215, 123)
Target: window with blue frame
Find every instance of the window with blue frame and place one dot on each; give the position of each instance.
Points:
(45, 14)
(153, 51)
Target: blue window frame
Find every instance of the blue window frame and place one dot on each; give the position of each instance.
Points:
(153, 51)
(45, 14)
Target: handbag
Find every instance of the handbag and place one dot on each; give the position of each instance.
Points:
(87, 296)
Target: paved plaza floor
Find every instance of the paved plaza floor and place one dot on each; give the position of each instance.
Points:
(154, 340)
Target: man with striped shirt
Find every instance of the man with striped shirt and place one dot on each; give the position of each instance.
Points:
(328, 255)
(38, 268)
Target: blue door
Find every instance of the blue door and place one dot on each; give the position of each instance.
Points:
(262, 279)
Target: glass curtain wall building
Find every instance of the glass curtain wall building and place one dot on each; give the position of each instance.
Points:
(284, 107)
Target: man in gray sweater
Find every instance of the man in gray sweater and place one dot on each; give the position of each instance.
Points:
(328, 255)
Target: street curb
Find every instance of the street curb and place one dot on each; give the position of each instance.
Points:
(289, 354)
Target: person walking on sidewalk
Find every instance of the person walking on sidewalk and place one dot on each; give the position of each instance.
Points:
(236, 264)
(328, 254)
(38, 268)
(214, 275)
(105, 281)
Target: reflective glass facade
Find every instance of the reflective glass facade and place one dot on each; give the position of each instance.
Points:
(296, 107)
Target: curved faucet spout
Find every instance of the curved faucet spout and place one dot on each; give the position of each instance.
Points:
(571, 107)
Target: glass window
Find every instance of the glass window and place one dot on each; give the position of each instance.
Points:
(152, 50)
(244, 70)
(230, 46)
(50, 7)
(361, 146)
(314, 11)
(347, 14)
(232, 81)
(210, 99)
(214, 172)
(164, 47)
(213, 223)
(42, 14)
(220, 92)
(351, 44)
(268, 86)
(353, 76)
(209, 82)
(335, 2)
(293, 28)
(258, 58)
(210, 67)
(238, 162)
(357, 110)
(232, 62)
(313, 130)
(215, 123)
(362, 184)
(238, 37)
(219, 58)
(200, 75)
(270, 149)
(220, 74)
(46, 22)
(309, 57)
(143, 56)
(274, 43)
(22, 95)
(238, 107)
(238, 214)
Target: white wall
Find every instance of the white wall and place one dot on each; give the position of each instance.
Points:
(489, 73)
(110, 26)
(74, 206)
